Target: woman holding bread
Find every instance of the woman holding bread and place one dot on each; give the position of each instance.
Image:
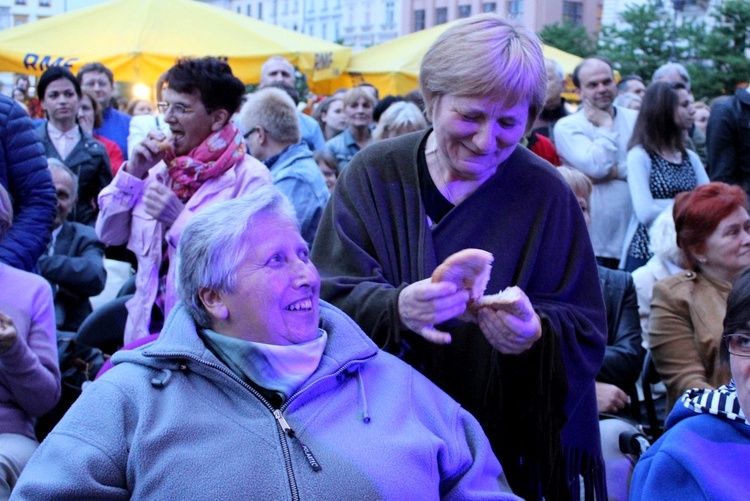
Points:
(404, 205)
(166, 181)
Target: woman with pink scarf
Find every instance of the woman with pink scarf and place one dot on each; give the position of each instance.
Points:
(167, 180)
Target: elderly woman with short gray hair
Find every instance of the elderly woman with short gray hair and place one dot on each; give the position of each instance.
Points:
(29, 373)
(404, 205)
(255, 389)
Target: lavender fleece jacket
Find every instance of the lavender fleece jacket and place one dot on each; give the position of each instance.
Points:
(29, 373)
(170, 421)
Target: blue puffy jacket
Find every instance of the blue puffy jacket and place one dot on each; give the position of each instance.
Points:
(23, 172)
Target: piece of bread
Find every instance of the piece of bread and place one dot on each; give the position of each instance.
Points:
(164, 145)
(469, 269)
(510, 300)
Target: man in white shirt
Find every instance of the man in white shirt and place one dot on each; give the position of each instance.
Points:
(594, 140)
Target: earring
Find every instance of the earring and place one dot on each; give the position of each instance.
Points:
(702, 260)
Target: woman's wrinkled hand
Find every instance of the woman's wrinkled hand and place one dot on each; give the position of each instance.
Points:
(162, 204)
(424, 304)
(508, 333)
(8, 333)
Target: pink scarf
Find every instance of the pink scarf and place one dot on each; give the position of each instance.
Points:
(214, 156)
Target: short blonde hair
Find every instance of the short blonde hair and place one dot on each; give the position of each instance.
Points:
(700, 105)
(578, 182)
(357, 93)
(272, 109)
(486, 55)
(6, 212)
(399, 119)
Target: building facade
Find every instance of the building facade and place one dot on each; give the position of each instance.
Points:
(534, 14)
(363, 23)
(18, 12)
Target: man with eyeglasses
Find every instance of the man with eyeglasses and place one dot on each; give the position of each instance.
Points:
(705, 451)
(100, 80)
(167, 180)
(273, 137)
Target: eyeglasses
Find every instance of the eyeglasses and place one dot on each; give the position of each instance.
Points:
(177, 108)
(738, 344)
(250, 132)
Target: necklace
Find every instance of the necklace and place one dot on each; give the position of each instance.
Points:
(443, 174)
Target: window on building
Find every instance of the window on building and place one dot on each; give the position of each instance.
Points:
(464, 10)
(310, 6)
(239, 9)
(44, 3)
(573, 12)
(441, 15)
(515, 8)
(21, 2)
(286, 6)
(296, 6)
(19, 19)
(324, 31)
(249, 10)
(419, 19)
(389, 13)
(260, 10)
(489, 7)
(325, 5)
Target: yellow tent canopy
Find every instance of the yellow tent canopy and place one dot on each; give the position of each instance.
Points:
(140, 39)
(393, 67)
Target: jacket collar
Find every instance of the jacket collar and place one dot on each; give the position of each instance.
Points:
(347, 348)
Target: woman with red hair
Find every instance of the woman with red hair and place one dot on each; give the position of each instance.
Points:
(687, 309)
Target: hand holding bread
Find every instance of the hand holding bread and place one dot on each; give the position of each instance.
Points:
(148, 153)
(507, 318)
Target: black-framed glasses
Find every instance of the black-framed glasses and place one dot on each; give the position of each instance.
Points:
(249, 133)
(738, 344)
(177, 108)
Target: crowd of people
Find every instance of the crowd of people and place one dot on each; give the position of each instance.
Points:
(284, 299)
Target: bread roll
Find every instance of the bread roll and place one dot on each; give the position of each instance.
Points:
(510, 300)
(469, 269)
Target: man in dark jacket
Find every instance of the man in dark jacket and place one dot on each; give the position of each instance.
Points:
(23, 172)
(74, 264)
(728, 138)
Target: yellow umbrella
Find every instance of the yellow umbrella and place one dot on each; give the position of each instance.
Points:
(393, 67)
(140, 39)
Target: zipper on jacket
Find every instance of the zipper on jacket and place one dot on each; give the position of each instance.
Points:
(281, 431)
(283, 428)
(305, 449)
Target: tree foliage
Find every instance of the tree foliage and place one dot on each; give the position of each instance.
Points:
(714, 55)
(721, 55)
(568, 38)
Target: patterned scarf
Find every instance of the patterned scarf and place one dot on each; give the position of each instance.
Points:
(215, 155)
(722, 402)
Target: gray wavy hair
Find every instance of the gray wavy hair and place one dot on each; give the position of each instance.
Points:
(213, 244)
